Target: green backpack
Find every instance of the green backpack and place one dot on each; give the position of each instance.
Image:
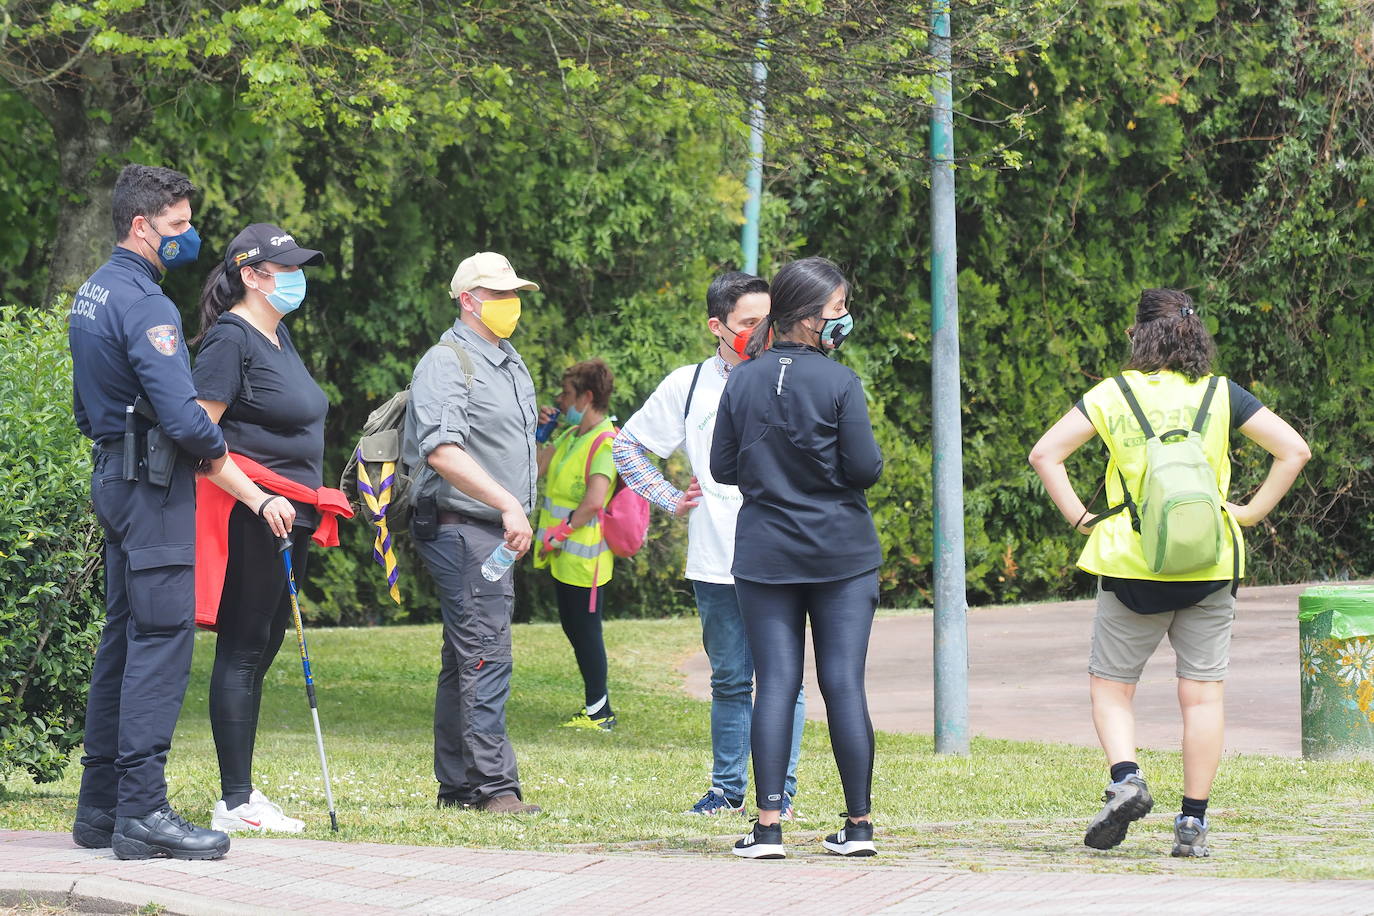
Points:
(1179, 515)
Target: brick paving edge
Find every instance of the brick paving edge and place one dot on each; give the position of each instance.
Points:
(103, 894)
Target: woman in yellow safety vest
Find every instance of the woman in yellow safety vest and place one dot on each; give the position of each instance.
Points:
(579, 479)
(1167, 424)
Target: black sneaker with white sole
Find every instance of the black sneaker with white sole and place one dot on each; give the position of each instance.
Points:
(853, 839)
(1123, 802)
(763, 842)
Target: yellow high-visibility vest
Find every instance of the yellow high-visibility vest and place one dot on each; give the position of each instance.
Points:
(1169, 402)
(584, 555)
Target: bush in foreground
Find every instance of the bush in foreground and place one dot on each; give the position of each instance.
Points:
(51, 595)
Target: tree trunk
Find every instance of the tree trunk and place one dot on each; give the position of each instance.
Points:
(93, 119)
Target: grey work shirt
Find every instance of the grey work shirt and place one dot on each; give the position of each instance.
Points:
(493, 422)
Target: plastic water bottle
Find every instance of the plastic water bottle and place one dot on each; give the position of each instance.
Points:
(544, 430)
(501, 559)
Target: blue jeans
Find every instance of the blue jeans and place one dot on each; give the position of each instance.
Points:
(732, 691)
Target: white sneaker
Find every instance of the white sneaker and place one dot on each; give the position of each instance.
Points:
(258, 813)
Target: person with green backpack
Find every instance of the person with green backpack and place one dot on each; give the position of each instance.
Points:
(1168, 551)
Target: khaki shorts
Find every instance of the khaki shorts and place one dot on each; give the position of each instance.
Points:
(1123, 640)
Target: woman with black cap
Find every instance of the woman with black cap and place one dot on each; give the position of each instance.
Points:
(251, 380)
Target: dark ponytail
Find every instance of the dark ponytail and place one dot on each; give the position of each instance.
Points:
(759, 337)
(222, 290)
(1168, 334)
(798, 291)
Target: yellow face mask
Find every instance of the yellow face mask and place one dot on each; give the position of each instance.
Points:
(501, 315)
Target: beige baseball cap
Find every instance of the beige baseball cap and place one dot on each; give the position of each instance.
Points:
(489, 270)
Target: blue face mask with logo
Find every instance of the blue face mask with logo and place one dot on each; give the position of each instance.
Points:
(290, 291)
(178, 250)
(836, 330)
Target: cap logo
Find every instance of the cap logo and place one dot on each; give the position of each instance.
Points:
(279, 240)
(245, 255)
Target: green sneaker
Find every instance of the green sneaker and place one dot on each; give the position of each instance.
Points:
(1125, 801)
(1190, 837)
(582, 720)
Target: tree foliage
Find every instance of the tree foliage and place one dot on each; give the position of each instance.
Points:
(96, 70)
(1211, 146)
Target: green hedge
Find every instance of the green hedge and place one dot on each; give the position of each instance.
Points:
(51, 590)
(1215, 146)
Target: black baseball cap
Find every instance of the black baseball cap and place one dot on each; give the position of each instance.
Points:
(266, 242)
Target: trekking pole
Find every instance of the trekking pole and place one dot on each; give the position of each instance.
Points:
(285, 549)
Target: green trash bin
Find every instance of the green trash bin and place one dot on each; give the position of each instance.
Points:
(1336, 661)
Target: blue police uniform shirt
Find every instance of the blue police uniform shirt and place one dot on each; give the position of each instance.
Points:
(125, 337)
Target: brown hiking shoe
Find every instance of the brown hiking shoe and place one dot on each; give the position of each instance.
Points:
(506, 804)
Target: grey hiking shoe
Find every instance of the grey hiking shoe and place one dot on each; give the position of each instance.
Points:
(1125, 801)
(1190, 837)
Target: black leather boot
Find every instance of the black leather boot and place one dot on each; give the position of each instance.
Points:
(93, 826)
(166, 833)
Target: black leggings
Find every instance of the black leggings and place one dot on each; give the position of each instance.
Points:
(584, 632)
(841, 619)
(254, 613)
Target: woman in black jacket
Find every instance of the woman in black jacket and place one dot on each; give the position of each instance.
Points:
(793, 434)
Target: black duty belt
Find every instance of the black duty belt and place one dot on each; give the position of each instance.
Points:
(116, 447)
(447, 517)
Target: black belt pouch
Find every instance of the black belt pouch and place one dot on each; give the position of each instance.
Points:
(160, 457)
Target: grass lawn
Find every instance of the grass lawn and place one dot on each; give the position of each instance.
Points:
(1009, 805)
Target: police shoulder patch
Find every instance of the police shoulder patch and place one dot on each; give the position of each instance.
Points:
(163, 337)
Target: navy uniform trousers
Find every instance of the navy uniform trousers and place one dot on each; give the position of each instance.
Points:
(144, 660)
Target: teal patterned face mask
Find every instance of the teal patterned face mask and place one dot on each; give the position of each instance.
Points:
(835, 330)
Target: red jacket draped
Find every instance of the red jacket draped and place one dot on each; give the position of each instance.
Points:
(213, 506)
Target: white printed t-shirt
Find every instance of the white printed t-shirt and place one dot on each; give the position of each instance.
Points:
(660, 426)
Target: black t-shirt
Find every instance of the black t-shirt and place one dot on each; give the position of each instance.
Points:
(1147, 596)
(275, 412)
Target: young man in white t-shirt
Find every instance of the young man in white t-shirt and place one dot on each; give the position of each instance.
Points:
(681, 413)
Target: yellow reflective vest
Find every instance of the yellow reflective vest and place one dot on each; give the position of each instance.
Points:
(1170, 402)
(584, 555)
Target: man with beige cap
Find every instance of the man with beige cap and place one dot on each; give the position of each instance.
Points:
(469, 434)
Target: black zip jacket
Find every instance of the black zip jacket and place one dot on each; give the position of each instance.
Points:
(793, 434)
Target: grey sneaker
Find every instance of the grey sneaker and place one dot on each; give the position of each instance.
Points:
(1190, 837)
(1125, 801)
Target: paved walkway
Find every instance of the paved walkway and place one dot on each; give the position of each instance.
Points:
(313, 876)
(1028, 676)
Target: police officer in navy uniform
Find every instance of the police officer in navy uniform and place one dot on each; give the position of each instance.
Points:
(127, 347)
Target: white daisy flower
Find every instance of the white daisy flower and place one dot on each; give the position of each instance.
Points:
(1355, 660)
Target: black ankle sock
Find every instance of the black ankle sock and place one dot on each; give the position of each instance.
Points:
(1195, 807)
(1123, 769)
(241, 798)
(734, 802)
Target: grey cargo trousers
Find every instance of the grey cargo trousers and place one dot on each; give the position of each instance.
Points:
(473, 756)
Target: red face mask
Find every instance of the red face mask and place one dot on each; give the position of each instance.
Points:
(738, 339)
